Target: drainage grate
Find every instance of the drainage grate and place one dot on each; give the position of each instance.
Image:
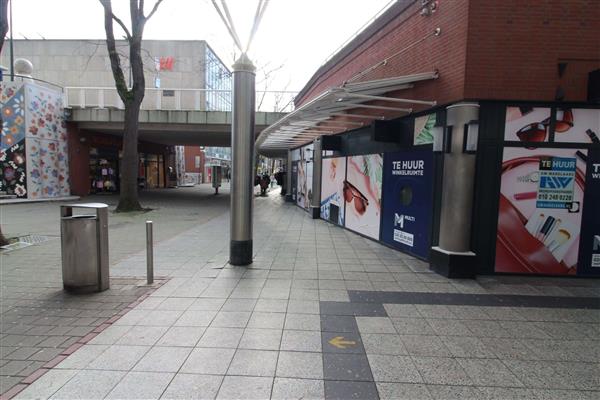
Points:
(35, 239)
(26, 241)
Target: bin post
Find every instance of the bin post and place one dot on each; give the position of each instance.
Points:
(84, 248)
(149, 253)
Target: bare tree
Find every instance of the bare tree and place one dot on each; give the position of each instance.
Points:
(131, 97)
(3, 31)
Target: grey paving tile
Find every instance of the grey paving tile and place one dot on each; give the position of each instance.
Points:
(208, 361)
(186, 336)
(231, 319)
(300, 365)
(175, 304)
(404, 391)
(82, 357)
(393, 369)
(509, 348)
(412, 326)
(402, 310)
(253, 363)
(441, 371)
(118, 358)
(163, 359)
(193, 386)
(449, 327)
(342, 342)
(271, 305)
(245, 387)
(482, 328)
(376, 343)
(142, 335)
(266, 320)
(196, 318)
(289, 388)
(209, 304)
(159, 318)
(303, 307)
(47, 384)
(346, 390)
(500, 393)
(346, 367)
(375, 325)
(141, 385)
(425, 346)
(306, 322)
(239, 305)
(261, 339)
(557, 394)
(489, 372)
(221, 337)
(453, 392)
(89, 385)
(301, 341)
(338, 323)
(22, 353)
(467, 347)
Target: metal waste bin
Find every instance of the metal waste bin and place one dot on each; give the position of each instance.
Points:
(84, 247)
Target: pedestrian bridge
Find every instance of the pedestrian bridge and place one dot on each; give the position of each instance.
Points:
(172, 116)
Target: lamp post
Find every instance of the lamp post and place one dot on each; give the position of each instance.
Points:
(242, 150)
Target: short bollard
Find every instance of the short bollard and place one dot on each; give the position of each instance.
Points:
(149, 253)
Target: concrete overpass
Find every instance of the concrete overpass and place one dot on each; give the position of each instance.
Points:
(169, 127)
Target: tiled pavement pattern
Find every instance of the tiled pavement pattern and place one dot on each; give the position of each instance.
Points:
(214, 331)
(35, 331)
(37, 320)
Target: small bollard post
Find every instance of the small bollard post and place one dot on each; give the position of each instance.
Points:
(149, 253)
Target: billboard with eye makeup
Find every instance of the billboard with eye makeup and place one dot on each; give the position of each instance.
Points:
(362, 194)
(332, 189)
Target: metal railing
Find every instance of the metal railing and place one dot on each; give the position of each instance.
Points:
(176, 99)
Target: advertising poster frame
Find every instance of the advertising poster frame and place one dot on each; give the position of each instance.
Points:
(332, 190)
(362, 194)
(408, 179)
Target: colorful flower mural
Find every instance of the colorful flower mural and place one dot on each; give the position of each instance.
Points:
(13, 176)
(46, 143)
(34, 152)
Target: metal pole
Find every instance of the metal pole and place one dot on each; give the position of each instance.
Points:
(12, 51)
(242, 149)
(149, 253)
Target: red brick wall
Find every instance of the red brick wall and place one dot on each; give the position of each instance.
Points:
(514, 47)
(79, 160)
(190, 158)
(488, 49)
(445, 53)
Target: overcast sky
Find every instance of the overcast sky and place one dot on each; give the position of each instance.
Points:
(298, 34)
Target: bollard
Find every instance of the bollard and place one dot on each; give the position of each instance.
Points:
(149, 254)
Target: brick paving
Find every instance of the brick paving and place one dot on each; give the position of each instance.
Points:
(325, 313)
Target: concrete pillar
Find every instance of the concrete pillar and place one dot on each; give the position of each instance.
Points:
(453, 256)
(316, 178)
(242, 154)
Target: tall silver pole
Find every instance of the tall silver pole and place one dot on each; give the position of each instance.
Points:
(242, 150)
(149, 253)
(12, 49)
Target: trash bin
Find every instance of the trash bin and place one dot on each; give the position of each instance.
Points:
(84, 247)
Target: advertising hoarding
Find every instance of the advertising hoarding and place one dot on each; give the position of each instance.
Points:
(407, 201)
(540, 211)
(362, 194)
(332, 190)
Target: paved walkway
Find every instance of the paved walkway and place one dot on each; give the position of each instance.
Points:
(38, 321)
(325, 313)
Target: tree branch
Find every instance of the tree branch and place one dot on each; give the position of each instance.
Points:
(154, 9)
(115, 62)
(122, 25)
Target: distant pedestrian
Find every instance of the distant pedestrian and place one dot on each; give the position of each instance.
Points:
(264, 184)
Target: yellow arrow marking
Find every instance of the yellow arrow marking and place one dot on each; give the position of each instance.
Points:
(340, 343)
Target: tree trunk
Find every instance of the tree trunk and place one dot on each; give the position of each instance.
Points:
(128, 199)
